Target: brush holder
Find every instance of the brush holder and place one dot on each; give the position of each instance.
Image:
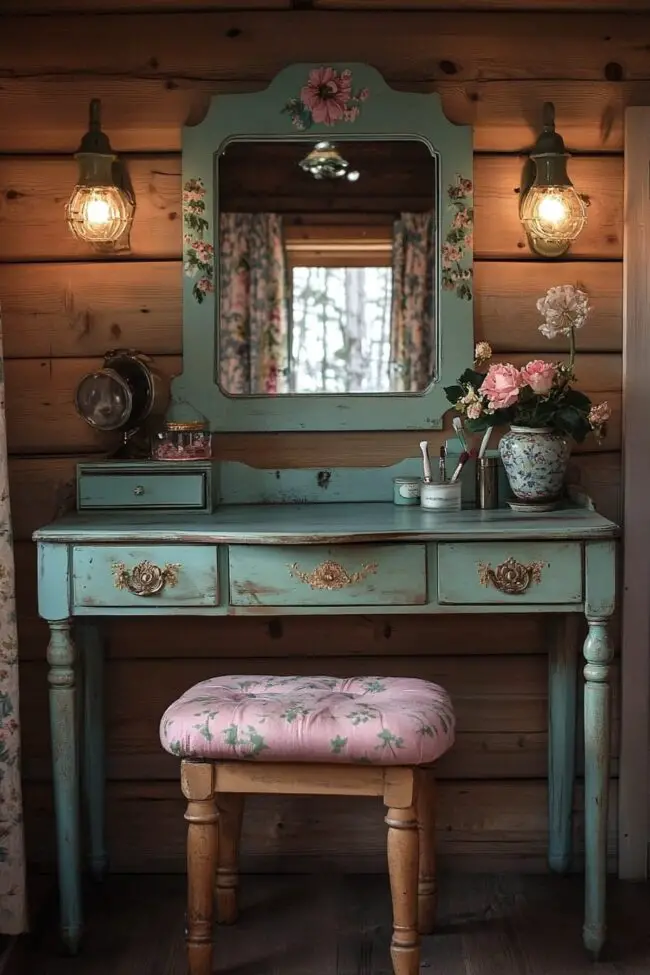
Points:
(441, 496)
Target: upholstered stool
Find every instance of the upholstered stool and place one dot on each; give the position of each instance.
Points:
(366, 736)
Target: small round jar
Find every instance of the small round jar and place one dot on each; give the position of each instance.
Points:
(406, 490)
(183, 441)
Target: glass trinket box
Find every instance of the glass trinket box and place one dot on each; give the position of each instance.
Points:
(189, 440)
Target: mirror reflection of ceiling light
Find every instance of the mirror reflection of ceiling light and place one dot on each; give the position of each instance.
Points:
(326, 162)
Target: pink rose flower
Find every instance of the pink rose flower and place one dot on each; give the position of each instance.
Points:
(205, 286)
(326, 94)
(539, 375)
(450, 253)
(501, 385)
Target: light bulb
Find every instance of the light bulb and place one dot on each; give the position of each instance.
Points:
(99, 214)
(553, 213)
(98, 211)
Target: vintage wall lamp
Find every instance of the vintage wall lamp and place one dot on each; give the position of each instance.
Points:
(101, 207)
(552, 213)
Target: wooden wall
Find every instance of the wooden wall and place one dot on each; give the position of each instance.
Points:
(153, 66)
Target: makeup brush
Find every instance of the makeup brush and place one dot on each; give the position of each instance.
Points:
(442, 464)
(458, 430)
(426, 462)
(484, 442)
(462, 460)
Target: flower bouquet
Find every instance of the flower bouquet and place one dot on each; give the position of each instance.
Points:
(538, 401)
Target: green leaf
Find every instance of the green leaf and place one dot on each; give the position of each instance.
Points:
(572, 422)
(472, 377)
(573, 397)
(454, 393)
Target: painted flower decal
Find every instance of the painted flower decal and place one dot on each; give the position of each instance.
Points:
(199, 254)
(459, 239)
(326, 99)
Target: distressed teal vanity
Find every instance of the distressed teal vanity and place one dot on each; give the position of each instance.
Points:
(230, 539)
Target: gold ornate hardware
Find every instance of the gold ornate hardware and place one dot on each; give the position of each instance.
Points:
(511, 577)
(331, 575)
(145, 578)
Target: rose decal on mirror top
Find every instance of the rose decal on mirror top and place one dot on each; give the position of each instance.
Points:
(199, 254)
(326, 99)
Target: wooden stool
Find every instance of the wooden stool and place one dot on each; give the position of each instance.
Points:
(368, 736)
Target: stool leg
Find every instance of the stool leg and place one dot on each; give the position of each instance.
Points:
(231, 809)
(202, 850)
(403, 870)
(427, 885)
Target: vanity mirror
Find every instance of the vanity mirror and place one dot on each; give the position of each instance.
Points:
(327, 256)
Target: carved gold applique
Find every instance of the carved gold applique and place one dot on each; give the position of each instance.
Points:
(331, 575)
(145, 578)
(511, 577)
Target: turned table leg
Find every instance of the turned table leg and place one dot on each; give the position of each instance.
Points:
(91, 647)
(202, 851)
(562, 708)
(403, 871)
(65, 751)
(427, 886)
(598, 653)
(231, 808)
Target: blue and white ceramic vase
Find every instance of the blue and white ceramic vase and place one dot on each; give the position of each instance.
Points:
(535, 460)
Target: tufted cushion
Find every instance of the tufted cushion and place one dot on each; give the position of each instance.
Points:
(378, 720)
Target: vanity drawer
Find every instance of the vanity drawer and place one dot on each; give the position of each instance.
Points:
(505, 572)
(143, 486)
(319, 575)
(154, 575)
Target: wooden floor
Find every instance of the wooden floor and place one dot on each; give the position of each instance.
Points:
(504, 925)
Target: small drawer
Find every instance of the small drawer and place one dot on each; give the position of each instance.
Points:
(506, 572)
(155, 575)
(318, 575)
(171, 486)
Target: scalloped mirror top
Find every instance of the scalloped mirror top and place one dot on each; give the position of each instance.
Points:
(327, 255)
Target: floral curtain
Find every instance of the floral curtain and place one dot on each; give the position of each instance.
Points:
(412, 318)
(13, 901)
(254, 297)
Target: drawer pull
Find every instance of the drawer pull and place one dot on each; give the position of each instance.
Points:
(145, 578)
(331, 575)
(511, 577)
(138, 491)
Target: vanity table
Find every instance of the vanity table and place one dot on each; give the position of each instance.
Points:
(216, 539)
(359, 557)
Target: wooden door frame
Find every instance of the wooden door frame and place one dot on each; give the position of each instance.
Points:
(634, 765)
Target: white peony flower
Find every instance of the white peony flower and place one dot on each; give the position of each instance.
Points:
(563, 309)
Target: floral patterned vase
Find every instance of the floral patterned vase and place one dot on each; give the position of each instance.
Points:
(535, 460)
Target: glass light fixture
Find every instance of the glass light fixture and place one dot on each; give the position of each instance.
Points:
(552, 213)
(99, 211)
(326, 162)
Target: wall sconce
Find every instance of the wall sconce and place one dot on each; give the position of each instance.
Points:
(552, 213)
(100, 210)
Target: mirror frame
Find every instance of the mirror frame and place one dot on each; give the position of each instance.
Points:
(387, 114)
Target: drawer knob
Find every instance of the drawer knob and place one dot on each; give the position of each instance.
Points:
(331, 575)
(145, 578)
(510, 577)
(138, 491)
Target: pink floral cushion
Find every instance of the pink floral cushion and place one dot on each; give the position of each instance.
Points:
(381, 720)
